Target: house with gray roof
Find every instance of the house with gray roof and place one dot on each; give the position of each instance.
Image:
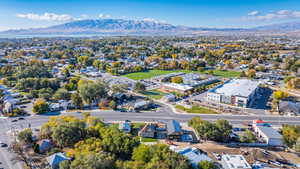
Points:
(174, 130)
(55, 159)
(194, 155)
(289, 108)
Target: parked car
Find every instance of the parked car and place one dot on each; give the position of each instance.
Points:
(3, 145)
(15, 120)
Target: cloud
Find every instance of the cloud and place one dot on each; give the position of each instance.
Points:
(281, 14)
(104, 16)
(46, 17)
(253, 13)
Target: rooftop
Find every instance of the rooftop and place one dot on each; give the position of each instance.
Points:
(235, 161)
(237, 87)
(177, 86)
(270, 132)
(194, 155)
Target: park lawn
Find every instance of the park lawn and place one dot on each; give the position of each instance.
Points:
(154, 94)
(197, 110)
(148, 140)
(226, 73)
(152, 73)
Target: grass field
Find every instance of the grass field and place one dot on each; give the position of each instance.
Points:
(226, 73)
(153, 73)
(196, 109)
(154, 94)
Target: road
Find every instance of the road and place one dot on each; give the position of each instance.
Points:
(164, 113)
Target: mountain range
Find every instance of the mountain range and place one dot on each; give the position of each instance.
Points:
(134, 27)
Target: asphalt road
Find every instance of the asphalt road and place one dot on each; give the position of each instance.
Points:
(162, 114)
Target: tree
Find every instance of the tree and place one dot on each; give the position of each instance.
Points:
(251, 73)
(65, 135)
(113, 105)
(219, 131)
(290, 134)
(279, 95)
(139, 87)
(207, 165)
(40, 106)
(142, 153)
(243, 74)
(156, 156)
(61, 94)
(177, 79)
(118, 143)
(248, 137)
(225, 129)
(77, 100)
(66, 164)
(293, 83)
(100, 160)
(92, 92)
(25, 136)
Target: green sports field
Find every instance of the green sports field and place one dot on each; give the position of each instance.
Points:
(153, 73)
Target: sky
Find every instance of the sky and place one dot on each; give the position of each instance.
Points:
(18, 14)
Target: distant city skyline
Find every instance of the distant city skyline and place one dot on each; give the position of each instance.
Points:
(18, 14)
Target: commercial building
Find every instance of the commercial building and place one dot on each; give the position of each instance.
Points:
(190, 82)
(269, 135)
(234, 162)
(238, 92)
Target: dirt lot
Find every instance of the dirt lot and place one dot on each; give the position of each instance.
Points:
(251, 154)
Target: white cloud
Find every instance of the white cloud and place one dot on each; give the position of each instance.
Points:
(281, 14)
(46, 17)
(104, 16)
(253, 13)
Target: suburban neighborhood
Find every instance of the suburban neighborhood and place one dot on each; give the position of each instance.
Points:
(137, 102)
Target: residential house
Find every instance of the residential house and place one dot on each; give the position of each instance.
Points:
(125, 126)
(154, 130)
(194, 155)
(174, 130)
(289, 108)
(44, 145)
(55, 159)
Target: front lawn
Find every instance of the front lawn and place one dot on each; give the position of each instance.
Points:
(196, 109)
